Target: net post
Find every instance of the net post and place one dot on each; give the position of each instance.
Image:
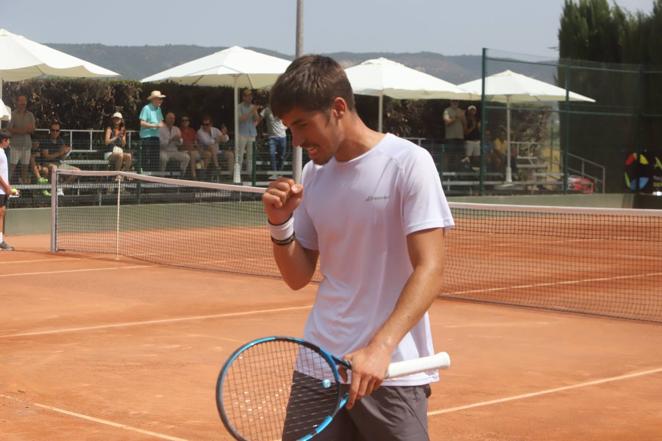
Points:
(117, 220)
(54, 208)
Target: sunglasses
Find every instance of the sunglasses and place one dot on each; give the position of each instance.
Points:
(206, 124)
(55, 130)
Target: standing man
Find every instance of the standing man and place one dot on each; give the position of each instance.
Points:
(248, 119)
(372, 209)
(151, 120)
(454, 122)
(170, 138)
(277, 133)
(21, 127)
(5, 189)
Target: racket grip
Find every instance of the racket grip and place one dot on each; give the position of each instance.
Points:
(438, 361)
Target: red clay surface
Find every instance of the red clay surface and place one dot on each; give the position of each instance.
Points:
(102, 349)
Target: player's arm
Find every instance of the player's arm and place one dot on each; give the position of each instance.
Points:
(426, 253)
(448, 120)
(296, 263)
(5, 186)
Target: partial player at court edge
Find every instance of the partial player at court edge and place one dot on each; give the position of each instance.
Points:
(5, 189)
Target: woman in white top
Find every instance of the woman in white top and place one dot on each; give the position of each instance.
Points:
(115, 141)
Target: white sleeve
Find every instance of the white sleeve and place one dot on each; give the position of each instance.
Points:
(424, 204)
(164, 136)
(304, 229)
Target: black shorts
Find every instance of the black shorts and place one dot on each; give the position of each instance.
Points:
(3, 200)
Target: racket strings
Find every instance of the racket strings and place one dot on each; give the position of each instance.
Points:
(278, 390)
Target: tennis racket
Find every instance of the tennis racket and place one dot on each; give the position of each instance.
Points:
(284, 388)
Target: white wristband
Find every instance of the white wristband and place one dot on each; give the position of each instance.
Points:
(283, 231)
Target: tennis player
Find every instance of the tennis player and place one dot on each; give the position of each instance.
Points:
(5, 189)
(372, 210)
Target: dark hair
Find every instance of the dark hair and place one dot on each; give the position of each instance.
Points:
(4, 135)
(311, 83)
(54, 123)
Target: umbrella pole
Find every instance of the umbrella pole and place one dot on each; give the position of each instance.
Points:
(381, 113)
(236, 176)
(509, 171)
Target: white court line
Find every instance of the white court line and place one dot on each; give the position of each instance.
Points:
(156, 322)
(53, 259)
(81, 270)
(563, 282)
(545, 392)
(494, 325)
(98, 420)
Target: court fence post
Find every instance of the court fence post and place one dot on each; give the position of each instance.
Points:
(54, 207)
(483, 120)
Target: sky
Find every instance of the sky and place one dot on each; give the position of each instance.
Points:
(448, 27)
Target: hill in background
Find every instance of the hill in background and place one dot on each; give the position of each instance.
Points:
(136, 62)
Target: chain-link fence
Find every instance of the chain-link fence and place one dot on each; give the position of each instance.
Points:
(599, 131)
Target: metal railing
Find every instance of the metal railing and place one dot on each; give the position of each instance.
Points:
(88, 140)
(589, 169)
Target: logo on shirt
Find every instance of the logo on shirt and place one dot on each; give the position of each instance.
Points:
(377, 198)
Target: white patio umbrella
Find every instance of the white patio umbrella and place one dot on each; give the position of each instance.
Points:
(21, 59)
(5, 112)
(383, 77)
(511, 87)
(234, 67)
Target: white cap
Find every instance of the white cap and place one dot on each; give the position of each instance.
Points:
(117, 115)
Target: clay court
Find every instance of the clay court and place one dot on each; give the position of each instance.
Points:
(95, 348)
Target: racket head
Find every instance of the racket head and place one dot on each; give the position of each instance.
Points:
(277, 388)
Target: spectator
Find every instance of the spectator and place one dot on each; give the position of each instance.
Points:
(454, 122)
(248, 119)
(37, 170)
(53, 151)
(198, 158)
(115, 140)
(277, 138)
(501, 152)
(21, 127)
(171, 140)
(210, 139)
(151, 120)
(471, 139)
(5, 189)
(36, 167)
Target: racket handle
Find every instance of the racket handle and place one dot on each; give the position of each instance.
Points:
(437, 361)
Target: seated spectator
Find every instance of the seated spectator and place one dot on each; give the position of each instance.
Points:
(199, 159)
(211, 139)
(501, 151)
(53, 151)
(170, 138)
(35, 166)
(115, 141)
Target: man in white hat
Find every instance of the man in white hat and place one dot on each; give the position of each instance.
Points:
(151, 120)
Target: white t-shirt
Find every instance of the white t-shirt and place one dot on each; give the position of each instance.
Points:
(358, 215)
(170, 138)
(4, 171)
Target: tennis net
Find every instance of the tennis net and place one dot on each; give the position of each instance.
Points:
(588, 260)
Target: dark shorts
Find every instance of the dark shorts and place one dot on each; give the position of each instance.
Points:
(391, 413)
(3, 200)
